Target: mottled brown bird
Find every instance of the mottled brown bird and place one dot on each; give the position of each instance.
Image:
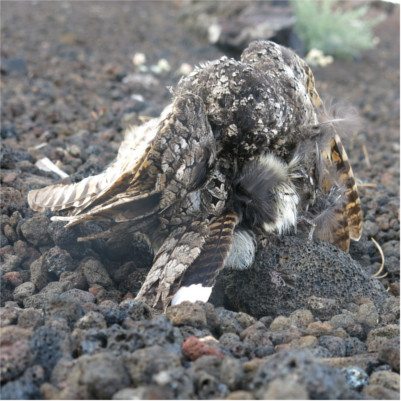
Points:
(244, 149)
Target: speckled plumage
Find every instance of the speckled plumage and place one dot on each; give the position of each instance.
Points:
(245, 148)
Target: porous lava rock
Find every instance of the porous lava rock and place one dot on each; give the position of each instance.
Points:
(290, 273)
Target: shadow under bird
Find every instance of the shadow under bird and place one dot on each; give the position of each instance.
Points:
(245, 149)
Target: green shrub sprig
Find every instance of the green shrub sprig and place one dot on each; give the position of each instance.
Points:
(336, 32)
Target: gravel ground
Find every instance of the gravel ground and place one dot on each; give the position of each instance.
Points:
(69, 325)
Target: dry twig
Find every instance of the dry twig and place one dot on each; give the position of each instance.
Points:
(360, 184)
(365, 153)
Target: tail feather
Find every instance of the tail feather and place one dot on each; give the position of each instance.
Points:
(207, 266)
(177, 253)
(191, 257)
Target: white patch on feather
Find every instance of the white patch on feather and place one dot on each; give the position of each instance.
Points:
(286, 197)
(193, 293)
(242, 252)
(287, 201)
(273, 163)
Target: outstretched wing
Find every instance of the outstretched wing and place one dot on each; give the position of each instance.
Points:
(171, 159)
(189, 261)
(132, 152)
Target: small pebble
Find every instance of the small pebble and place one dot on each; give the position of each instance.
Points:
(389, 380)
(142, 393)
(377, 338)
(354, 346)
(185, 69)
(356, 377)
(389, 352)
(279, 389)
(187, 313)
(10, 262)
(82, 296)
(14, 278)
(35, 230)
(193, 348)
(368, 315)
(280, 323)
(303, 342)
(342, 320)
(144, 363)
(91, 320)
(301, 318)
(98, 376)
(240, 395)
(23, 291)
(335, 345)
(380, 393)
(319, 329)
(8, 316)
(38, 273)
(96, 274)
(139, 59)
(30, 318)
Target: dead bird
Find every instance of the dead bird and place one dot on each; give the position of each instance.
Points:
(244, 149)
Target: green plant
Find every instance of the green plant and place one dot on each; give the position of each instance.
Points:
(325, 26)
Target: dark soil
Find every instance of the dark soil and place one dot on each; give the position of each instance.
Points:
(69, 326)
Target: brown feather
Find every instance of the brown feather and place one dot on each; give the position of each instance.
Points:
(176, 254)
(207, 266)
(353, 209)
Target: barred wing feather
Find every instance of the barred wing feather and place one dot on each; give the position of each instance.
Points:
(95, 189)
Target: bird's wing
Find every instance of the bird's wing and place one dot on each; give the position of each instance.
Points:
(192, 254)
(131, 155)
(155, 167)
(84, 194)
(353, 209)
(214, 253)
(346, 220)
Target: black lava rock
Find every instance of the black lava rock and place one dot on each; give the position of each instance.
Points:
(289, 273)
